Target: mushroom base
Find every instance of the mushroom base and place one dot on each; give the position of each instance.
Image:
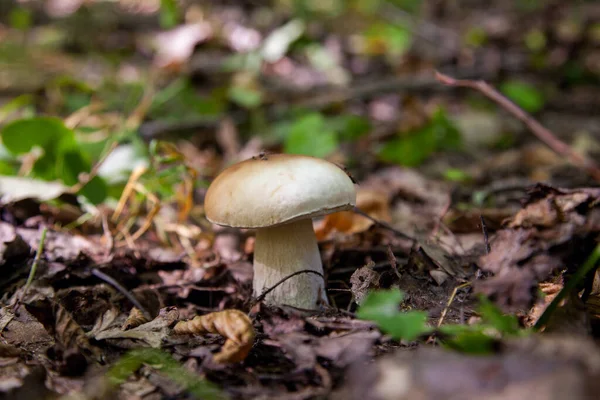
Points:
(280, 251)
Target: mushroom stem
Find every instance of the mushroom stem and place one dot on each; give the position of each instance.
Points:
(281, 250)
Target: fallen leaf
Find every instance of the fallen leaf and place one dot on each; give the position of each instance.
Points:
(234, 325)
(153, 333)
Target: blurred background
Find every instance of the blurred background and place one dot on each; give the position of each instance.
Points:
(351, 81)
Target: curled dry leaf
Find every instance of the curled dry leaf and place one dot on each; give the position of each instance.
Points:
(234, 325)
(135, 319)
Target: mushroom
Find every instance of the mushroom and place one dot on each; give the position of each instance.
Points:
(278, 195)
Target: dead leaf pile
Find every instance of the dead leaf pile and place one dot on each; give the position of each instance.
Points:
(555, 230)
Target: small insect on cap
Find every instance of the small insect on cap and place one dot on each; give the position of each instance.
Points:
(277, 188)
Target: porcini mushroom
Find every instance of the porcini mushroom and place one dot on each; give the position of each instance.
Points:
(278, 195)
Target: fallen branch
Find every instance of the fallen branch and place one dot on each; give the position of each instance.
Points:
(542, 133)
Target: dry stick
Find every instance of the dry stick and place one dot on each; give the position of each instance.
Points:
(383, 224)
(542, 133)
(111, 281)
(269, 290)
(84, 179)
(34, 266)
(450, 300)
(486, 238)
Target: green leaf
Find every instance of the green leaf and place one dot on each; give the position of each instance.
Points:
(415, 147)
(381, 307)
(20, 18)
(408, 326)
(309, 136)
(468, 339)
(169, 13)
(349, 127)
(245, 97)
(456, 175)
(127, 365)
(524, 95)
(380, 304)
(22, 135)
(491, 315)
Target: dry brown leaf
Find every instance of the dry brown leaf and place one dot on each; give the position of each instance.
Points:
(135, 319)
(375, 203)
(234, 325)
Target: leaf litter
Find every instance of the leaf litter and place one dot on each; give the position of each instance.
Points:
(75, 333)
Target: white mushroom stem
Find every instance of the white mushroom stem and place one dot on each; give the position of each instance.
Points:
(280, 251)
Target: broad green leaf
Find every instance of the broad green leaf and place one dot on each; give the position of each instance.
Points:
(20, 18)
(407, 326)
(491, 315)
(21, 136)
(396, 38)
(456, 175)
(524, 95)
(245, 97)
(380, 304)
(468, 340)
(310, 136)
(381, 307)
(169, 13)
(349, 127)
(415, 147)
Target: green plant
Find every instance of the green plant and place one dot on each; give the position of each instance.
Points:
(413, 148)
(58, 155)
(128, 364)
(382, 307)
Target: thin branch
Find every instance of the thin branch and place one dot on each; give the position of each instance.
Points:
(111, 281)
(269, 290)
(34, 266)
(383, 224)
(486, 238)
(449, 303)
(542, 133)
(84, 179)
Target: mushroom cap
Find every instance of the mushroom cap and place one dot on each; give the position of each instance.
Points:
(276, 189)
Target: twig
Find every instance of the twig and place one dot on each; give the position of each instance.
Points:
(84, 179)
(450, 300)
(542, 133)
(588, 266)
(34, 266)
(111, 281)
(393, 262)
(383, 224)
(269, 290)
(486, 238)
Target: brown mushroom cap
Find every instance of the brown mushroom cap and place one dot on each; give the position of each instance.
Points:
(277, 189)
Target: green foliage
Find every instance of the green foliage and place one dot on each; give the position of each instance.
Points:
(396, 39)
(315, 135)
(475, 37)
(127, 365)
(245, 97)
(169, 13)
(310, 136)
(524, 95)
(20, 18)
(381, 307)
(415, 147)
(62, 157)
(456, 175)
